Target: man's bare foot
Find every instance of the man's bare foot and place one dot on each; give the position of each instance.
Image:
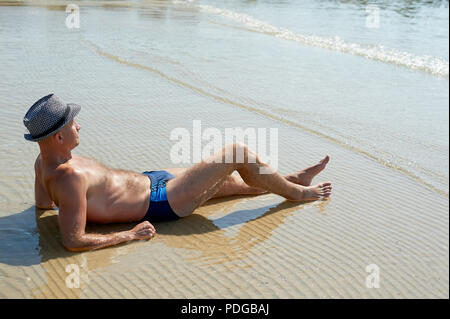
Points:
(319, 191)
(305, 176)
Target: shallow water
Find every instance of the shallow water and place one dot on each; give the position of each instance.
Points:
(379, 91)
(376, 98)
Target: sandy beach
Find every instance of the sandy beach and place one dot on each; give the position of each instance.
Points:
(380, 213)
(256, 247)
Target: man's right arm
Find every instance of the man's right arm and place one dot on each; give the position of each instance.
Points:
(70, 189)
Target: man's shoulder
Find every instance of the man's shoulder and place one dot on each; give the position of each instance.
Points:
(66, 183)
(63, 176)
(67, 173)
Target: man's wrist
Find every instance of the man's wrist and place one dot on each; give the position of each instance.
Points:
(129, 234)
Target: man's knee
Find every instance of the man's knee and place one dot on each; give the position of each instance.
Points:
(182, 207)
(235, 147)
(238, 153)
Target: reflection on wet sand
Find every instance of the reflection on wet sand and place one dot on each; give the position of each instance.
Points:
(40, 245)
(210, 236)
(55, 258)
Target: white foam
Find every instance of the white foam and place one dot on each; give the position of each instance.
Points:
(182, 1)
(434, 65)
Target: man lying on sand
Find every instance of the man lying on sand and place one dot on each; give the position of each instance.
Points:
(87, 191)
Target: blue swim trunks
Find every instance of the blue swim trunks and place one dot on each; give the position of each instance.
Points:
(159, 209)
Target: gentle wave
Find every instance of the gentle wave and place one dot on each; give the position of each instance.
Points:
(430, 64)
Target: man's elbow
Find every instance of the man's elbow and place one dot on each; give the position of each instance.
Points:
(75, 249)
(74, 244)
(70, 246)
(46, 207)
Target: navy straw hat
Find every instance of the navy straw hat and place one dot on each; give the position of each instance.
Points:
(47, 116)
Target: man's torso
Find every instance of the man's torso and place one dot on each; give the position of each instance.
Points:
(112, 195)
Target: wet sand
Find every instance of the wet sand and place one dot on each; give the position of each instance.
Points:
(257, 246)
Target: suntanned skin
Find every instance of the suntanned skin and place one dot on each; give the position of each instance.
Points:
(87, 191)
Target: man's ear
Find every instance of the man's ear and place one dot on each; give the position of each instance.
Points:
(58, 138)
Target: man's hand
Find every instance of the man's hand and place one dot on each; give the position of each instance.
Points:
(144, 230)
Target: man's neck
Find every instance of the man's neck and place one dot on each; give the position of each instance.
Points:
(54, 157)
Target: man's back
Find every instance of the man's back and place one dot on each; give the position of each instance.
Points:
(111, 195)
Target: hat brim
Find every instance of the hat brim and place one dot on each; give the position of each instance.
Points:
(74, 109)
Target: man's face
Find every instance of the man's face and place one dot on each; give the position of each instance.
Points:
(70, 134)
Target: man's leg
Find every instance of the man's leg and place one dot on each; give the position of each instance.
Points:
(235, 185)
(202, 181)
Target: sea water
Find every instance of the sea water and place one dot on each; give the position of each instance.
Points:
(369, 76)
